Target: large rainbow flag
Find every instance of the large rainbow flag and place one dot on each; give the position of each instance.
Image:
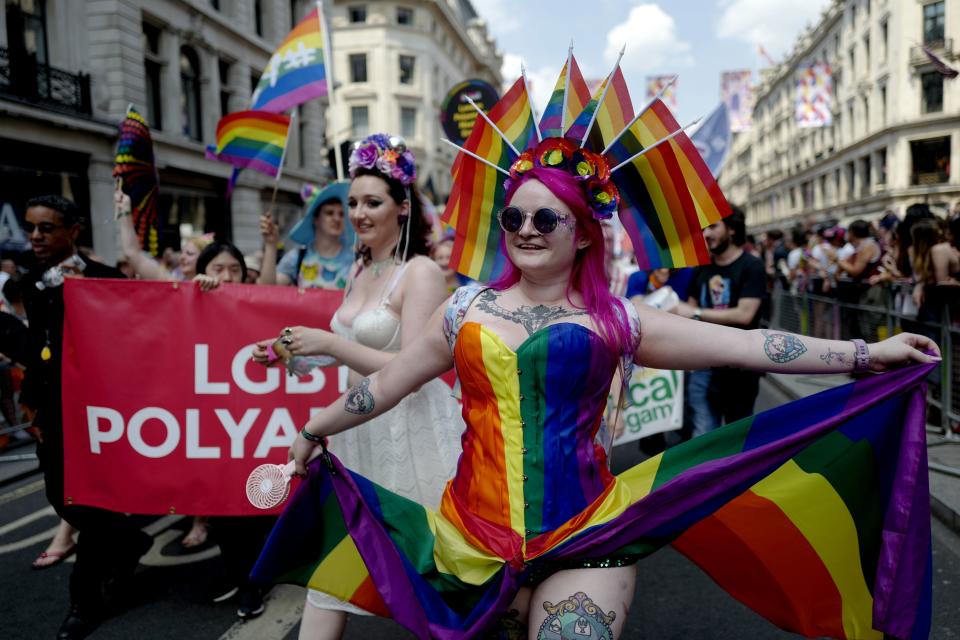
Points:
(478, 188)
(134, 166)
(297, 70)
(255, 139)
(816, 515)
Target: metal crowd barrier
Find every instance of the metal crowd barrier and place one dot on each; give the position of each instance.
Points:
(875, 313)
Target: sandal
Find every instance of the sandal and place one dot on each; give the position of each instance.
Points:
(57, 557)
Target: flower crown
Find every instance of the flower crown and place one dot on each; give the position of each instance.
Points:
(589, 168)
(387, 154)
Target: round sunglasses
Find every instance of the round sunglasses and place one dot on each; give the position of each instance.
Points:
(545, 219)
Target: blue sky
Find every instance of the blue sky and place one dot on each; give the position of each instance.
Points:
(697, 39)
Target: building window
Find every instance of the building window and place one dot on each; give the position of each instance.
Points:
(931, 84)
(866, 50)
(26, 38)
(931, 160)
(358, 67)
(190, 93)
(407, 64)
(933, 20)
(215, 4)
(404, 15)
(853, 60)
(302, 138)
(258, 17)
(359, 122)
(884, 38)
(883, 105)
(882, 166)
(865, 168)
(357, 14)
(866, 115)
(152, 66)
(408, 122)
(223, 70)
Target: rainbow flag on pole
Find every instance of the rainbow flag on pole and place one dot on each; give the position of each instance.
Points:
(297, 71)
(254, 139)
(567, 101)
(478, 192)
(669, 193)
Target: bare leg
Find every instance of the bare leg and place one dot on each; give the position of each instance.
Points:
(61, 544)
(321, 624)
(582, 602)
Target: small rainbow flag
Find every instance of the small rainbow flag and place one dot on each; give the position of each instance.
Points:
(297, 69)
(815, 514)
(556, 114)
(254, 139)
(134, 165)
(478, 189)
(669, 193)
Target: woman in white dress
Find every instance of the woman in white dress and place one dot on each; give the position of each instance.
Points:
(392, 291)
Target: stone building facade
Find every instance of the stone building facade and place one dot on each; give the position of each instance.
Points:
(69, 68)
(895, 135)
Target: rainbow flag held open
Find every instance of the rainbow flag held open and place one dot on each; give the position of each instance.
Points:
(254, 139)
(478, 189)
(297, 70)
(556, 114)
(668, 194)
(816, 515)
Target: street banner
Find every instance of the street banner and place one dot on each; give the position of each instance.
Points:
(163, 409)
(457, 116)
(655, 404)
(669, 97)
(736, 91)
(814, 96)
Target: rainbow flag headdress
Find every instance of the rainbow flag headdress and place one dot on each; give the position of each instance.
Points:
(641, 165)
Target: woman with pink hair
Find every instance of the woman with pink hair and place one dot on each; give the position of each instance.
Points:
(535, 352)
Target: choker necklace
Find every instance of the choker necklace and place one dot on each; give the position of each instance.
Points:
(379, 266)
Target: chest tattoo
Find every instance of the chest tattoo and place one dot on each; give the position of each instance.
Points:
(530, 318)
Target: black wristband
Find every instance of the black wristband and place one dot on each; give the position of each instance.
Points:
(309, 436)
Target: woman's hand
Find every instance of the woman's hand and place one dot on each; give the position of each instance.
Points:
(269, 230)
(304, 341)
(300, 452)
(121, 203)
(206, 283)
(261, 354)
(902, 349)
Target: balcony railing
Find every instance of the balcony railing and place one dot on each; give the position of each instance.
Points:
(44, 85)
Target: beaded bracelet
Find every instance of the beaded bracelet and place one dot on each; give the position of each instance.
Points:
(312, 438)
(861, 356)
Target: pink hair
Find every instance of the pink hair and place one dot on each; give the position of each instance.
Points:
(588, 276)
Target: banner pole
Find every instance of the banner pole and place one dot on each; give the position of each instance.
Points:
(283, 157)
(331, 93)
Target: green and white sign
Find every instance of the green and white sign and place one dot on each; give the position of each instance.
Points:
(654, 404)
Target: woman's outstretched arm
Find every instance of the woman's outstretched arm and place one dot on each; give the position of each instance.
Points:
(670, 342)
(424, 359)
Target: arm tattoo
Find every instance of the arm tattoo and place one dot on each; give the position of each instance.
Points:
(830, 356)
(782, 347)
(577, 617)
(531, 318)
(359, 399)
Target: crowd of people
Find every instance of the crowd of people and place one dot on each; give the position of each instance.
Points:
(371, 239)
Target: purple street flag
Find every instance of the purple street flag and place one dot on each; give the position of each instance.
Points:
(941, 66)
(814, 96)
(669, 98)
(736, 91)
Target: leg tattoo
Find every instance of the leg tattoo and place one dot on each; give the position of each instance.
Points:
(782, 347)
(359, 399)
(576, 619)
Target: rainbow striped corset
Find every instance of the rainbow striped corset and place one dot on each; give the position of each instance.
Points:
(531, 473)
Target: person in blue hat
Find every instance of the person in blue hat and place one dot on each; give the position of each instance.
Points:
(326, 253)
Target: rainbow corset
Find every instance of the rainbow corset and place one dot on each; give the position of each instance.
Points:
(531, 472)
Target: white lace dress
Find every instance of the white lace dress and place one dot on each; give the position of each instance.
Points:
(413, 448)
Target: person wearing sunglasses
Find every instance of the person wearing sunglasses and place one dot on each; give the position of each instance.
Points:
(532, 505)
(109, 546)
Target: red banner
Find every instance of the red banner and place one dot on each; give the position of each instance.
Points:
(163, 410)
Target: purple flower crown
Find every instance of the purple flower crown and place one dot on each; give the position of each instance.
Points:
(387, 154)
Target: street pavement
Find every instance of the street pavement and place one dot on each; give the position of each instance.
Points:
(674, 599)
